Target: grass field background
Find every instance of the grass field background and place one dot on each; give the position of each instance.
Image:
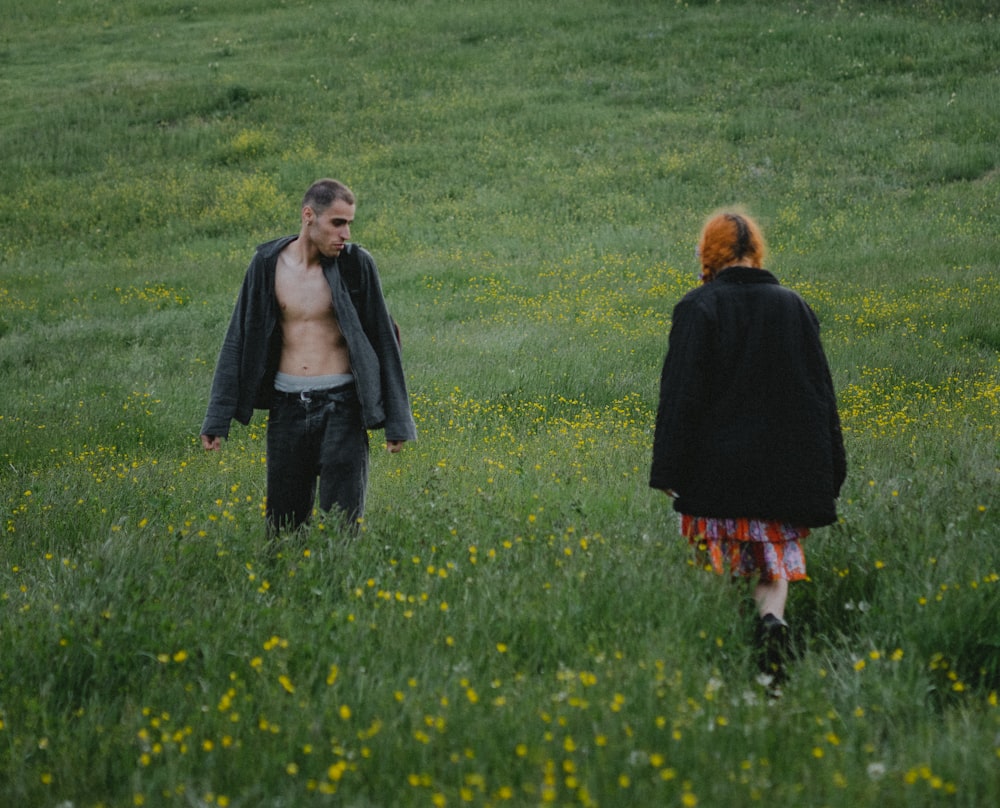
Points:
(518, 623)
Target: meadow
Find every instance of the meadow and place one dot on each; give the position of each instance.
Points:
(518, 622)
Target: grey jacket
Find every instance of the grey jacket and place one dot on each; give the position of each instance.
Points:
(248, 361)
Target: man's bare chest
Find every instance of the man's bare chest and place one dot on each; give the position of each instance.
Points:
(303, 293)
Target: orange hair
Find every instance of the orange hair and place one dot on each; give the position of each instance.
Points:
(729, 239)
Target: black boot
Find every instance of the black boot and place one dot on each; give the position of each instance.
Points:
(773, 647)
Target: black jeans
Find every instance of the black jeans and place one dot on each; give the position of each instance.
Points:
(310, 436)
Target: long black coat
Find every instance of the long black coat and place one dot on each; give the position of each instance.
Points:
(747, 423)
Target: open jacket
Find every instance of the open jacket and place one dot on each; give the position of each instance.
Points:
(248, 361)
(747, 424)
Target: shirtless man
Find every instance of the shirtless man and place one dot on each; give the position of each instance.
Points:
(321, 404)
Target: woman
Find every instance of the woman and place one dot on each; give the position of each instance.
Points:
(748, 439)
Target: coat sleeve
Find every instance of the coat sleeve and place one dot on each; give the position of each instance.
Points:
(838, 455)
(836, 435)
(224, 399)
(682, 396)
(381, 331)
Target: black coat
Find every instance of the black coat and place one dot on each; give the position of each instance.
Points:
(747, 424)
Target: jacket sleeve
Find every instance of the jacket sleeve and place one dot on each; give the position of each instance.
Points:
(224, 399)
(838, 455)
(836, 437)
(682, 396)
(380, 329)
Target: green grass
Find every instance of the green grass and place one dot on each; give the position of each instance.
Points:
(518, 623)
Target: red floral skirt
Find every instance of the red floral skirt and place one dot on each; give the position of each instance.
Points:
(762, 547)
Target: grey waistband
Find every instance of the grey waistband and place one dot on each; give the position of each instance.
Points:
(287, 383)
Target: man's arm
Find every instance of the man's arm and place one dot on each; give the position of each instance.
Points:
(224, 398)
(382, 332)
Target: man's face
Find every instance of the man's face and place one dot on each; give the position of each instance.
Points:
(331, 229)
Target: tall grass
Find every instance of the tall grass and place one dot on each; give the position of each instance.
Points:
(518, 622)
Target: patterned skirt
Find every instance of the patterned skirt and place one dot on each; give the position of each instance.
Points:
(749, 546)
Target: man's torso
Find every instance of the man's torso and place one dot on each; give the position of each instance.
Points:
(312, 342)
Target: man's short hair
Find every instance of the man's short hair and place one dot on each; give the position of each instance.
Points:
(323, 193)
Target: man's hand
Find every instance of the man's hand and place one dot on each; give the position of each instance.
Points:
(212, 443)
(394, 446)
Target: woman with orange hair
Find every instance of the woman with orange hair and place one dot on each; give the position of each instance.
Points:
(748, 439)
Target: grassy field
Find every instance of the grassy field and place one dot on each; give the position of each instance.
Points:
(518, 623)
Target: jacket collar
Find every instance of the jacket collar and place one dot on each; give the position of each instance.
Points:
(741, 274)
(269, 249)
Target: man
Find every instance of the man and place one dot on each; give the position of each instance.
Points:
(311, 340)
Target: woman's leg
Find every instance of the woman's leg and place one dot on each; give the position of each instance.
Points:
(771, 596)
(772, 640)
